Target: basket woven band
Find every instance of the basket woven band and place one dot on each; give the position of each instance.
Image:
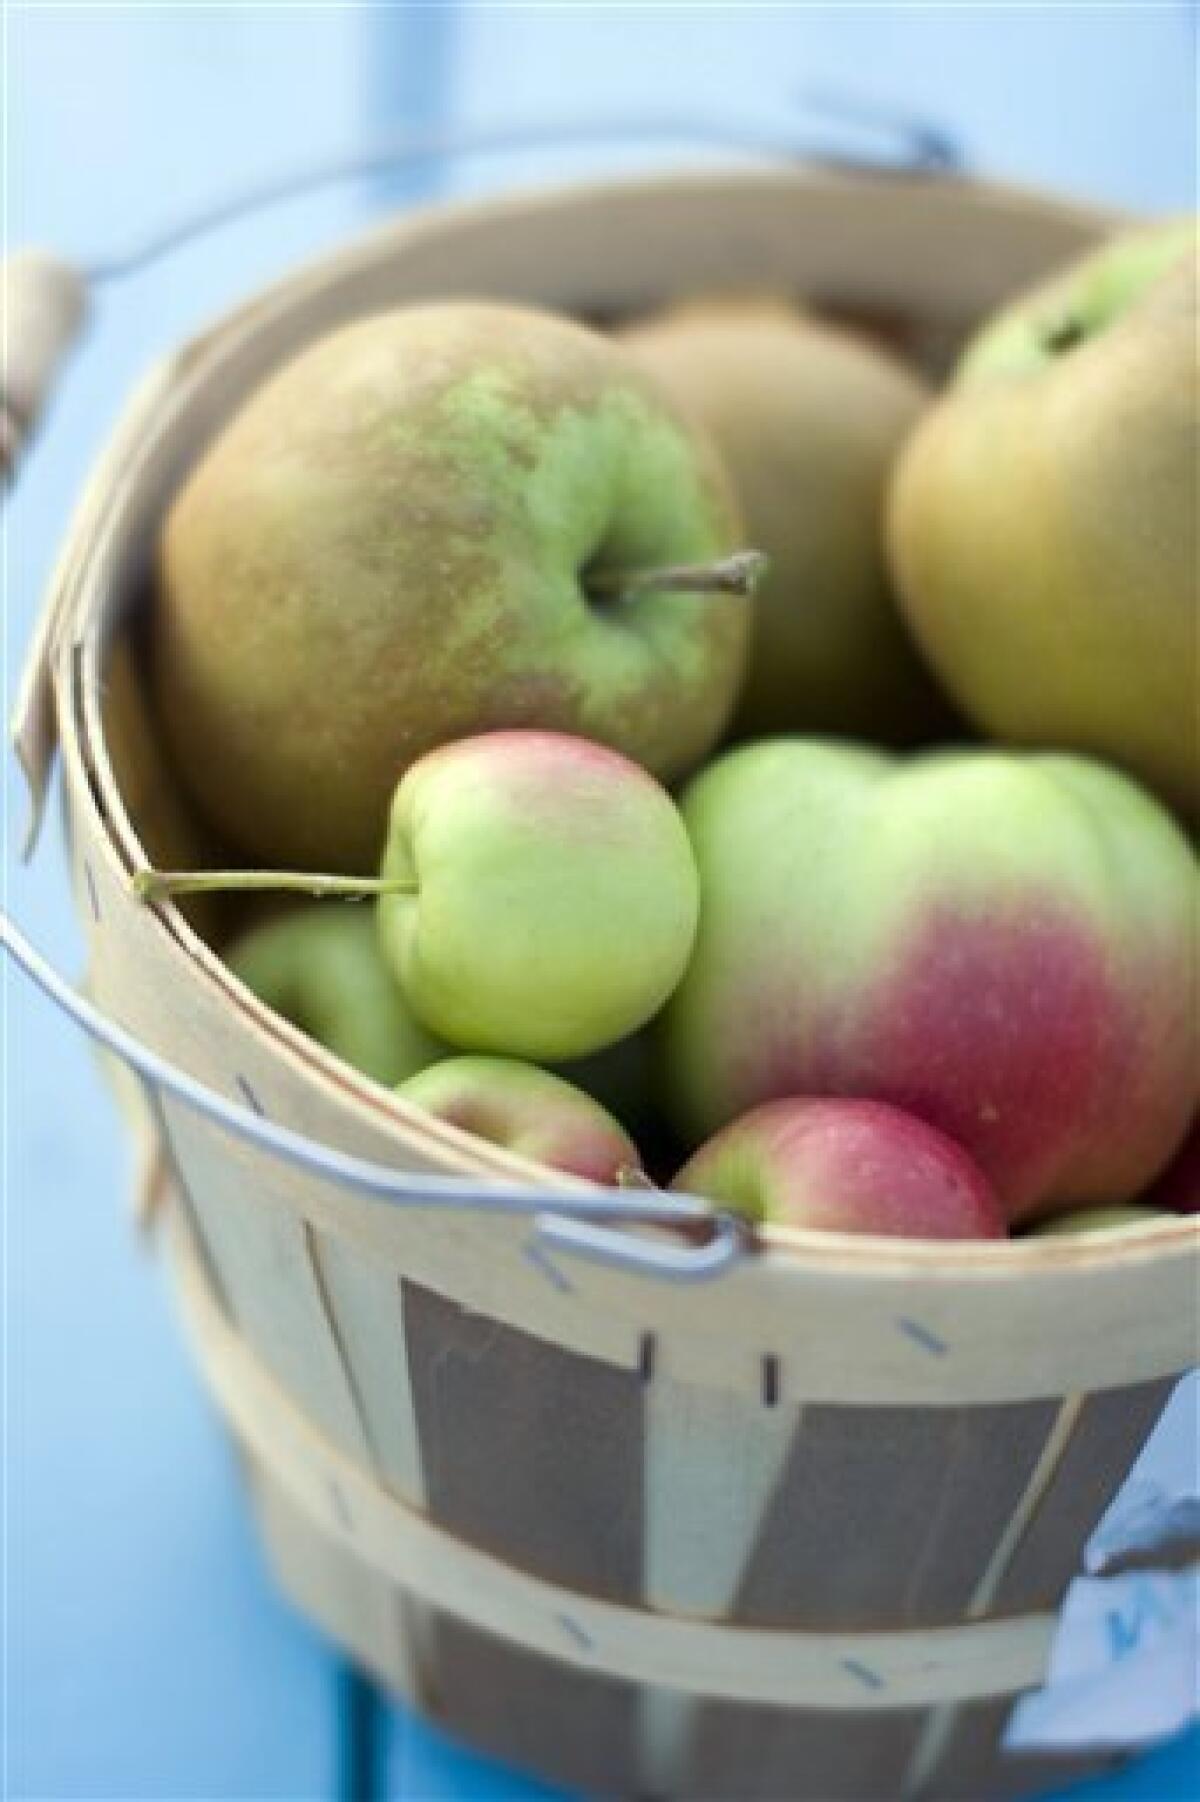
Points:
(700, 1658)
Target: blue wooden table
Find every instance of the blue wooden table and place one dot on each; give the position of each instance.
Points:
(146, 1654)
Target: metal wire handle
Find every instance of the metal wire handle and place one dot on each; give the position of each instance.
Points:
(922, 149)
(577, 1223)
(45, 300)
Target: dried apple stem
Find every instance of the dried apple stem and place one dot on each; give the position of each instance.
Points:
(739, 574)
(153, 885)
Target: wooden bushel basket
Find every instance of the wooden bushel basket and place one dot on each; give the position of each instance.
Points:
(797, 1528)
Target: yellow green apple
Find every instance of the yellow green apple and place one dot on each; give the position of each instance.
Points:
(1043, 518)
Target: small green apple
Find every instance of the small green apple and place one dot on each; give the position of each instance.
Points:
(844, 1166)
(526, 1110)
(320, 966)
(553, 897)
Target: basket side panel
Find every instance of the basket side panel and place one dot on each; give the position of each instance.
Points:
(713, 1462)
(1109, 1433)
(764, 1754)
(533, 1453)
(264, 1263)
(365, 1303)
(564, 1725)
(889, 1514)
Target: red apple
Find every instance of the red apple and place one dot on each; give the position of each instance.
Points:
(527, 1110)
(1003, 944)
(847, 1167)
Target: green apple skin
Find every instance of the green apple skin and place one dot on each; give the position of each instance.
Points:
(1042, 519)
(1077, 303)
(320, 966)
(388, 549)
(556, 899)
(1095, 1220)
(842, 1166)
(1003, 944)
(808, 419)
(526, 1110)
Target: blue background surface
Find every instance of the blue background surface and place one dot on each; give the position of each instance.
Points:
(145, 1653)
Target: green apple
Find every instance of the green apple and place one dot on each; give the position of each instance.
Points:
(553, 897)
(1078, 303)
(844, 1166)
(1043, 517)
(1002, 944)
(321, 968)
(809, 419)
(438, 521)
(526, 1110)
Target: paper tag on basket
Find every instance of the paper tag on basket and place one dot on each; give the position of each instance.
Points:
(1124, 1669)
(1158, 1506)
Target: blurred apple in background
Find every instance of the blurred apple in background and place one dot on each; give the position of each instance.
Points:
(320, 966)
(808, 419)
(1044, 516)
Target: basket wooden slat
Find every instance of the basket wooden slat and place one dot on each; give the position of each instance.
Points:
(1106, 1433)
(800, 1531)
(507, 1701)
(341, 1592)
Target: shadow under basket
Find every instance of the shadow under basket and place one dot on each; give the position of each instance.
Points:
(797, 1531)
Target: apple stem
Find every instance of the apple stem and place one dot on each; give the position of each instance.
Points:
(738, 574)
(153, 885)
